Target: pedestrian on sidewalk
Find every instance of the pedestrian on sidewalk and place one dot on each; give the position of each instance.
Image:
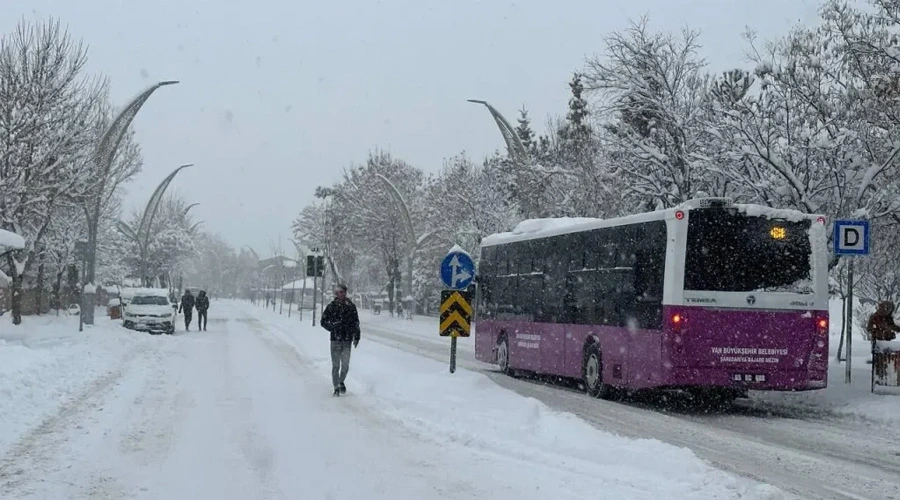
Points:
(342, 321)
(187, 305)
(202, 308)
(881, 325)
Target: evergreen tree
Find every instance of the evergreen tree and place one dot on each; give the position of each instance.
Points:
(523, 130)
(577, 129)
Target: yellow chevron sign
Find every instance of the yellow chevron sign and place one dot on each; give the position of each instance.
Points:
(456, 313)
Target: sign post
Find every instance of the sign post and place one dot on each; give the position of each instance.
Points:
(851, 239)
(457, 273)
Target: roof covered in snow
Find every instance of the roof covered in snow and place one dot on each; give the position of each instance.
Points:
(149, 292)
(543, 228)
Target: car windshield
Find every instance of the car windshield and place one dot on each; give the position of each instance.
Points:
(150, 300)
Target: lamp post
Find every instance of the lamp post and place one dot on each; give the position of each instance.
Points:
(103, 157)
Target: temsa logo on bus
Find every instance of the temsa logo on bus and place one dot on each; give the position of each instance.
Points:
(702, 300)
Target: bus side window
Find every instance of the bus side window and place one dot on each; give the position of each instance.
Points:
(485, 301)
(555, 269)
(593, 248)
(521, 256)
(528, 297)
(487, 264)
(574, 247)
(503, 294)
(649, 271)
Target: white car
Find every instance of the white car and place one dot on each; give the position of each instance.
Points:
(150, 311)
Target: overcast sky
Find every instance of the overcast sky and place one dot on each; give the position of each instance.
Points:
(277, 96)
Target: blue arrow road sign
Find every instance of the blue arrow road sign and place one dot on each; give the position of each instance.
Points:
(457, 269)
(851, 237)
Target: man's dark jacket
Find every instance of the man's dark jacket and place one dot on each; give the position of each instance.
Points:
(341, 319)
(187, 304)
(202, 302)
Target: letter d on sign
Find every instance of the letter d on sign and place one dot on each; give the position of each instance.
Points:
(851, 236)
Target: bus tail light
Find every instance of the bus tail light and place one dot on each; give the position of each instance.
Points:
(679, 214)
(677, 322)
(822, 326)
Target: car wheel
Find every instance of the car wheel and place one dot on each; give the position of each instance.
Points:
(593, 375)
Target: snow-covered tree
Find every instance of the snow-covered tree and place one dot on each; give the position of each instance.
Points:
(47, 108)
(378, 206)
(649, 90)
(171, 242)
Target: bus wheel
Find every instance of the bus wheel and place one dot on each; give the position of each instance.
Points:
(593, 375)
(503, 355)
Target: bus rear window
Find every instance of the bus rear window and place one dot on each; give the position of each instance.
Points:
(731, 252)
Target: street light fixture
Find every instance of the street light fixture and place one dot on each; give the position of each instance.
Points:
(514, 145)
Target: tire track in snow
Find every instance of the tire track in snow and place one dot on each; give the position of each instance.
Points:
(32, 458)
(253, 444)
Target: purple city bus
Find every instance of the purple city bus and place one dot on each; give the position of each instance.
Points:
(710, 296)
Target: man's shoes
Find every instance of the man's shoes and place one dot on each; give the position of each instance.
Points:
(343, 389)
(337, 392)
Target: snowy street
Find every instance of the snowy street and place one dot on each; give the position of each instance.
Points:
(245, 411)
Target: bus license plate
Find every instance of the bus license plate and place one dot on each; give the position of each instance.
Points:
(748, 377)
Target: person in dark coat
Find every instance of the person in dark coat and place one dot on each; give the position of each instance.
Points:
(187, 305)
(342, 320)
(202, 307)
(881, 325)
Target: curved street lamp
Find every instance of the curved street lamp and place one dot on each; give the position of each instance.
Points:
(514, 145)
(104, 154)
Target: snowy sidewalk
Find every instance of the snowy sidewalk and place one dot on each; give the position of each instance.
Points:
(45, 362)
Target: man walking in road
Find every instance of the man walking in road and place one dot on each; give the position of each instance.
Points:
(187, 305)
(202, 308)
(341, 319)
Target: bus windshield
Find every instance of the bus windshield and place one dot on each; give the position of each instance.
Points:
(731, 252)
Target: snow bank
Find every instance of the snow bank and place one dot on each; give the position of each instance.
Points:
(467, 409)
(44, 362)
(11, 241)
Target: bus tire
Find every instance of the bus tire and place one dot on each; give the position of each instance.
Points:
(592, 374)
(503, 355)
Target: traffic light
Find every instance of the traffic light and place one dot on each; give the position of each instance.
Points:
(315, 266)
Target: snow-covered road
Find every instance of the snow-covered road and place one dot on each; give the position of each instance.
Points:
(811, 452)
(244, 411)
